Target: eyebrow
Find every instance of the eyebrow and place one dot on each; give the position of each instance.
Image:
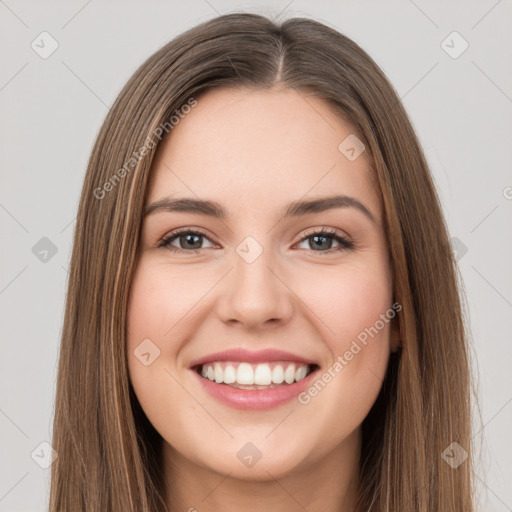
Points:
(294, 209)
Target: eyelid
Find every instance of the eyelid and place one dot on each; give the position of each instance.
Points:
(325, 229)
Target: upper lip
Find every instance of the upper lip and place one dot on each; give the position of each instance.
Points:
(243, 355)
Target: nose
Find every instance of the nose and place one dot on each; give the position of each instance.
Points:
(255, 295)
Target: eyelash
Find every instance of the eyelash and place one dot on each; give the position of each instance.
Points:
(344, 243)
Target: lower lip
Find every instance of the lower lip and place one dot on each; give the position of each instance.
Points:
(255, 399)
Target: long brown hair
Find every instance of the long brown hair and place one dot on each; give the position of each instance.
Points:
(108, 452)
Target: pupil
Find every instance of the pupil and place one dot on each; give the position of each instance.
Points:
(316, 237)
(189, 237)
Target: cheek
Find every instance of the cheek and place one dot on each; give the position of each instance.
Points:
(151, 351)
(159, 301)
(354, 307)
(348, 301)
(149, 324)
(357, 312)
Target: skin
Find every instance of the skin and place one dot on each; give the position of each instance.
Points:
(254, 152)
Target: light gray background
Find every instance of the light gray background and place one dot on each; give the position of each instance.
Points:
(52, 109)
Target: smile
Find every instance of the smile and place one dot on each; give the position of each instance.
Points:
(254, 376)
(254, 386)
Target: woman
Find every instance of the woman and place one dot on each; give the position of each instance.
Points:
(263, 306)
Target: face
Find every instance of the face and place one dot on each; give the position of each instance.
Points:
(281, 297)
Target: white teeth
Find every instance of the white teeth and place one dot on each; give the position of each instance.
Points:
(217, 370)
(300, 373)
(278, 374)
(263, 374)
(245, 374)
(289, 374)
(229, 375)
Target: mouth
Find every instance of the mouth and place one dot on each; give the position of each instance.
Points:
(255, 386)
(255, 376)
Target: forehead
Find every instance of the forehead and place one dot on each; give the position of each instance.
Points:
(259, 147)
